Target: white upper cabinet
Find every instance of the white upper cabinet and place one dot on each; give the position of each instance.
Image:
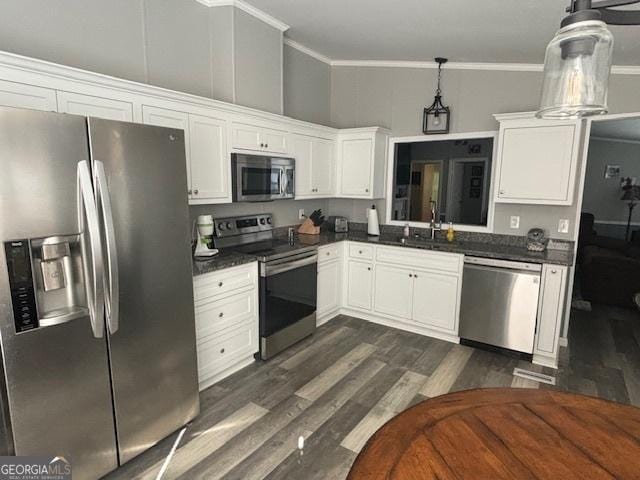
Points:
(163, 117)
(246, 136)
(315, 166)
(210, 163)
(90, 106)
(207, 155)
(362, 156)
(537, 161)
(19, 95)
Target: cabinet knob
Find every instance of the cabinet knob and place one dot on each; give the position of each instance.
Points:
(410, 275)
(221, 314)
(360, 252)
(554, 271)
(222, 350)
(366, 190)
(266, 145)
(189, 191)
(195, 191)
(369, 268)
(328, 253)
(415, 276)
(220, 284)
(501, 192)
(262, 145)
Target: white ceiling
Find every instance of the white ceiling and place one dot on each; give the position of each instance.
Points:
(500, 31)
(622, 129)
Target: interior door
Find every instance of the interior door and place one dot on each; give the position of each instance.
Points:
(153, 353)
(56, 377)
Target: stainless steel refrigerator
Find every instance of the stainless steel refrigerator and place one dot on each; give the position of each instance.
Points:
(96, 298)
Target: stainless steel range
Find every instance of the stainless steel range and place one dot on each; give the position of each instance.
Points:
(288, 279)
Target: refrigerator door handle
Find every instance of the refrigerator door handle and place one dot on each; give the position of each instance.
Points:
(93, 275)
(112, 287)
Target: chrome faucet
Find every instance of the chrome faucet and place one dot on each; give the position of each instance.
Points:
(434, 225)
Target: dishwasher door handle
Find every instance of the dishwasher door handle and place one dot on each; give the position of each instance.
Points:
(502, 270)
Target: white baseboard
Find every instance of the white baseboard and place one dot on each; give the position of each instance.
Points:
(206, 383)
(551, 362)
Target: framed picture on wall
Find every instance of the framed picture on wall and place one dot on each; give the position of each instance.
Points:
(476, 171)
(612, 171)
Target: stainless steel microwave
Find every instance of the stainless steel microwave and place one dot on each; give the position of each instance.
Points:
(259, 178)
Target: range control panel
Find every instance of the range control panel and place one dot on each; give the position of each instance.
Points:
(23, 296)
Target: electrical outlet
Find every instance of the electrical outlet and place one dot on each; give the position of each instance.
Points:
(563, 226)
(301, 215)
(515, 222)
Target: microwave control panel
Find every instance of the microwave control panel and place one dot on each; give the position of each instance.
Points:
(23, 296)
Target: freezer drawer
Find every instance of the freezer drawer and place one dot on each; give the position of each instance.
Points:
(500, 303)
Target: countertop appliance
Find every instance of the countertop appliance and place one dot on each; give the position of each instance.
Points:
(204, 238)
(288, 279)
(500, 303)
(259, 178)
(96, 299)
(337, 224)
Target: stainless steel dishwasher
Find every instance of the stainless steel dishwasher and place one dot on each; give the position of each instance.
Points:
(500, 302)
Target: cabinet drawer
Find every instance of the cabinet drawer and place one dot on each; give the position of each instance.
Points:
(329, 253)
(359, 250)
(444, 262)
(224, 281)
(222, 350)
(226, 312)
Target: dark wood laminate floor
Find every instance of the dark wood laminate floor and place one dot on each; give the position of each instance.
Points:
(339, 386)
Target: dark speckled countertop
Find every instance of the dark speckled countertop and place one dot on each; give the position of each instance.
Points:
(471, 247)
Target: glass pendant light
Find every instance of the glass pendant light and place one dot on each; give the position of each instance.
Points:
(576, 67)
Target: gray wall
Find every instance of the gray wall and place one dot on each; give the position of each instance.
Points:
(395, 97)
(307, 87)
(176, 44)
(602, 195)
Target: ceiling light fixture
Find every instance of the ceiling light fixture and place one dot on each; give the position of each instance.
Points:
(436, 117)
(577, 62)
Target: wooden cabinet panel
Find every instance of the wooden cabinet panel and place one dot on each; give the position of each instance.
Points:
(90, 106)
(210, 163)
(360, 283)
(19, 95)
(393, 291)
(435, 300)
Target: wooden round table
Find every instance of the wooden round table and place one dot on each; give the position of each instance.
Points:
(505, 433)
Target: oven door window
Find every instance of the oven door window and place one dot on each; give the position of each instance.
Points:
(286, 298)
(261, 181)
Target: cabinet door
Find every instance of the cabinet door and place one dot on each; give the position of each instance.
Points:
(359, 289)
(162, 117)
(393, 291)
(210, 165)
(550, 310)
(274, 140)
(356, 157)
(19, 95)
(537, 164)
(245, 137)
(329, 275)
(323, 166)
(91, 106)
(435, 300)
(301, 149)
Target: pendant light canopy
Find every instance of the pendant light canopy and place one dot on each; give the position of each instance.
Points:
(578, 60)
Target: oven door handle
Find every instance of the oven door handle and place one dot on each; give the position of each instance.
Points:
(269, 270)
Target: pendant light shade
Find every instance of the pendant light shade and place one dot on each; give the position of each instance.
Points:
(576, 71)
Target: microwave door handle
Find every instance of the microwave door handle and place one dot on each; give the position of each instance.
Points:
(88, 224)
(111, 279)
(281, 173)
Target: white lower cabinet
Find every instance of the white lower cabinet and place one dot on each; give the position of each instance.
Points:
(550, 309)
(420, 290)
(226, 304)
(359, 286)
(436, 300)
(329, 295)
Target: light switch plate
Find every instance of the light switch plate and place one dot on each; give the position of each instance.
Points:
(563, 226)
(301, 215)
(514, 221)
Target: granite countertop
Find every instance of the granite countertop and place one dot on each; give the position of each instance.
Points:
(497, 250)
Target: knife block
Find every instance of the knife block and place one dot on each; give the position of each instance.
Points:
(308, 228)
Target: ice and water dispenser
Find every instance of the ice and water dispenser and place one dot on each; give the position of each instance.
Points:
(46, 280)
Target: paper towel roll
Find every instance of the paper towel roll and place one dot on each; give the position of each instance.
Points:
(373, 227)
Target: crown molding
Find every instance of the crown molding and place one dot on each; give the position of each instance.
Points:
(307, 50)
(250, 9)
